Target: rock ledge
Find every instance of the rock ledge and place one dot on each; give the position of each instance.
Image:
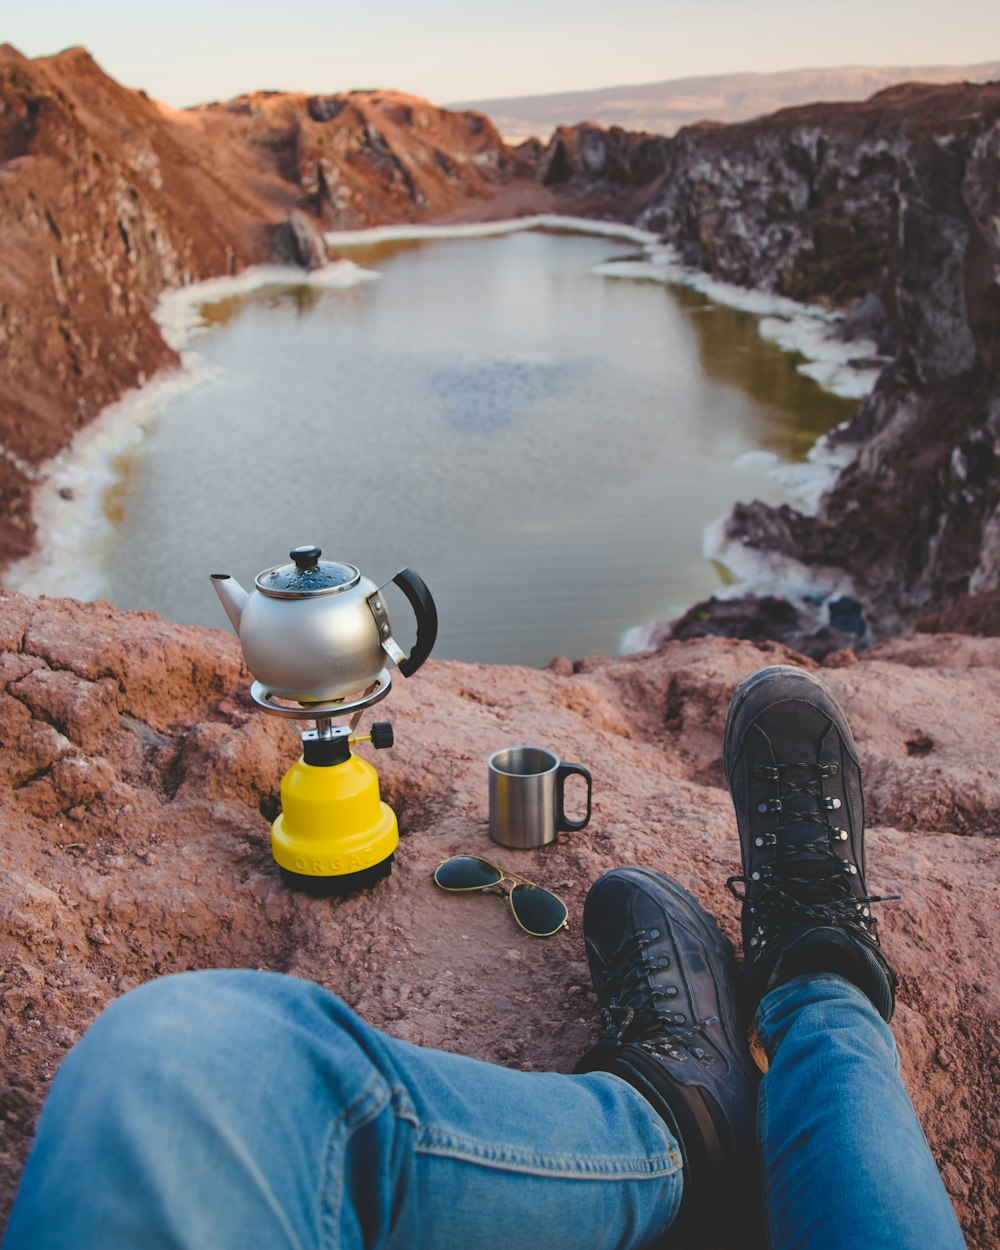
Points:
(142, 783)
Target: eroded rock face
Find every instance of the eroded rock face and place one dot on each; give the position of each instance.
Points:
(895, 200)
(84, 257)
(368, 157)
(104, 202)
(298, 242)
(914, 519)
(142, 781)
(899, 197)
(831, 202)
(595, 156)
(896, 196)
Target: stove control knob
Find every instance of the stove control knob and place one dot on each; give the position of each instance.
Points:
(381, 735)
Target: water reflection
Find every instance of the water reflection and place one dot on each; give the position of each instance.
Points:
(545, 446)
(483, 396)
(733, 353)
(299, 296)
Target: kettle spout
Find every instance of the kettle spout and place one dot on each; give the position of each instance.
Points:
(232, 596)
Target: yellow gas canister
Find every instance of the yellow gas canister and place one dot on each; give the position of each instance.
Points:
(334, 834)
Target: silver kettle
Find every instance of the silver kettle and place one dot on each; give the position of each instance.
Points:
(315, 631)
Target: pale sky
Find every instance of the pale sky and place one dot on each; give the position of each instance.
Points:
(189, 51)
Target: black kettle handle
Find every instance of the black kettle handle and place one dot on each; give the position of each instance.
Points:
(415, 588)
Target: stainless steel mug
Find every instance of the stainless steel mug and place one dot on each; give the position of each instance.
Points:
(527, 792)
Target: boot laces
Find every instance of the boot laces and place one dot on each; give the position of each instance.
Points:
(778, 897)
(634, 1013)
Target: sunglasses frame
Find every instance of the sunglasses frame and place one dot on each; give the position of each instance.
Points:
(494, 888)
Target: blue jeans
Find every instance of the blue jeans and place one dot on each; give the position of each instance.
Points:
(237, 1109)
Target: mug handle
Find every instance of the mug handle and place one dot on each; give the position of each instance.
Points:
(567, 770)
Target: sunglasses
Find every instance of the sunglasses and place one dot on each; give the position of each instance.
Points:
(539, 912)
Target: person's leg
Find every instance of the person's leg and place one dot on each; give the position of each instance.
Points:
(844, 1159)
(220, 1110)
(664, 977)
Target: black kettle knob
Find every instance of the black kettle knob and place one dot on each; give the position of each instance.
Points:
(305, 557)
(381, 735)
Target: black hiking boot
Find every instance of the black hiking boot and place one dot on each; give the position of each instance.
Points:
(664, 978)
(793, 772)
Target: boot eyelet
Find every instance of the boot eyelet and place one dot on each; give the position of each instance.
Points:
(765, 772)
(831, 804)
(654, 933)
(829, 770)
(772, 805)
(766, 839)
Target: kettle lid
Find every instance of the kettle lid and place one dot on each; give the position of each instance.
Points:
(307, 575)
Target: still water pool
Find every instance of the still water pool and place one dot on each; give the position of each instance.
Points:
(545, 446)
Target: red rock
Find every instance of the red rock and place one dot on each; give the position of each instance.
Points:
(136, 843)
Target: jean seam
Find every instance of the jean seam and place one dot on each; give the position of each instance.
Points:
(368, 1104)
(431, 1141)
(765, 1177)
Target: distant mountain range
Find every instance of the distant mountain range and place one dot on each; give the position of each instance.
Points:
(664, 107)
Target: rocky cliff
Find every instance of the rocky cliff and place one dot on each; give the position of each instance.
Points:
(142, 781)
(888, 209)
(899, 198)
(891, 207)
(107, 198)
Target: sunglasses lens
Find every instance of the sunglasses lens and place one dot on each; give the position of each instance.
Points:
(466, 872)
(538, 912)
